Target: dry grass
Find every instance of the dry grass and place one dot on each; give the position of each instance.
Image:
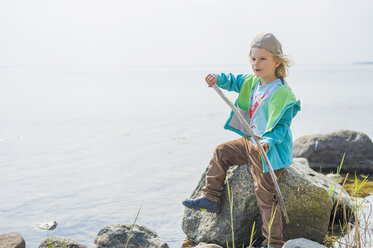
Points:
(348, 222)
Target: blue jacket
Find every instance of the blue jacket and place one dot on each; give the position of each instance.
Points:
(282, 109)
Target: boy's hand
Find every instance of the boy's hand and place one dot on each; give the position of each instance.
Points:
(211, 80)
(265, 146)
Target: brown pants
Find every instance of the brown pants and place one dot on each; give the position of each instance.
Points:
(242, 151)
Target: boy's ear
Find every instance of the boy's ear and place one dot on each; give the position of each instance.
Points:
(277, 63)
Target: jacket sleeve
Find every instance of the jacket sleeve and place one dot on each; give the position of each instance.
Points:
(230, 82)
(277, 134)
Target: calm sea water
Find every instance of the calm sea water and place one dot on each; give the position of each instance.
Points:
(86, 146)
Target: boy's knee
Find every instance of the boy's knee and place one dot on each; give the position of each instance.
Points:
(220, 152)
(220, 149)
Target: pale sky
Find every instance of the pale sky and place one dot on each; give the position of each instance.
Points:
(178, 32)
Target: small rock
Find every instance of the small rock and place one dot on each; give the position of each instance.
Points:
(47, 226)
(338, 178)
(12, 240)
(115, 236)
(205, 245)
(302, 243)
(325, 151)
(334, 176)
(58, 243)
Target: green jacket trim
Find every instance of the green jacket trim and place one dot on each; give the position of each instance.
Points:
(280, 100)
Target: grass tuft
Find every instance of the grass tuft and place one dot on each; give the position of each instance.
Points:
(253, 231)
(133, 225)
(230, 198)
(348, 221)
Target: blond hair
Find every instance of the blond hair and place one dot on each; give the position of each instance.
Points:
(285, 63)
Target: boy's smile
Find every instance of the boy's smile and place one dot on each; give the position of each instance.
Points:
(263, 64)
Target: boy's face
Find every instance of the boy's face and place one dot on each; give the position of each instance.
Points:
(263, 63)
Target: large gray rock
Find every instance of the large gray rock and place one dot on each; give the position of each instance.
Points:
(115, 236)
(325, 151)
(58, 243)
(302, 243)
(306, 195)
(12, 240)
(330, 185)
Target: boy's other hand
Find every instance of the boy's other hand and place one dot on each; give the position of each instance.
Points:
(265, 146)
(211, 80)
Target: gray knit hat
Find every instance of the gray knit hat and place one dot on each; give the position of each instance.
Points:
(267, 41)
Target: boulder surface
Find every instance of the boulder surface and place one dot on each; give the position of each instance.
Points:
(115, 236)
(12, 240)
(325, 151)
(306, 196)
(58, 243)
